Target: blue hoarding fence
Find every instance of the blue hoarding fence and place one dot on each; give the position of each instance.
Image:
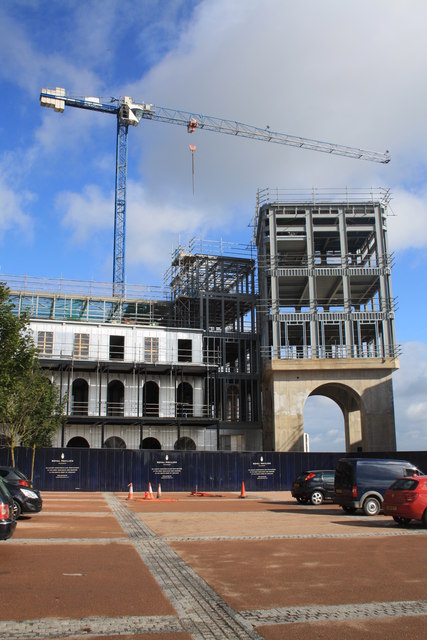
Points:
(114, 469)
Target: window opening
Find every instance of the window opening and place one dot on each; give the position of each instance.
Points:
(81, 345)
(185, 350)
(117, 347)
(45, 342)
(151, 350)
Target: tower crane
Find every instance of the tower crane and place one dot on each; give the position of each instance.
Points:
(129, 113)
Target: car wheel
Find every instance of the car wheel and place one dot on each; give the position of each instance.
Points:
(402, 521)
(316, 497)
(371, 506)
(424, 518)
(16, 510)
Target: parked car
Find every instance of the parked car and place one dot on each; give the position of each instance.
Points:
(7, 521)
(361, 483)
(26, 499)
(314, 486)
(406, 500)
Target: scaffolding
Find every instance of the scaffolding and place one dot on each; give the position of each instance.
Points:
(325, 275)
(213, 288)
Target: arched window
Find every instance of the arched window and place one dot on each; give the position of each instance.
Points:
(151, 443)
(233, 403)
(185, 444)
(150, 405)
(114, 442)
(79, 397)
(184, 400)
(115, 398)
(78, 443)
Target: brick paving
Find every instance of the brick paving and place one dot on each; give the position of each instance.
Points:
(193, 602)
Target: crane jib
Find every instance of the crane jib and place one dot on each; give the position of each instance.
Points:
(129, 112)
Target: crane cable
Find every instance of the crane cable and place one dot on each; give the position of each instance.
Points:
(192, 148)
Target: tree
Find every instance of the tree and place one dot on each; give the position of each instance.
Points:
(30, 409)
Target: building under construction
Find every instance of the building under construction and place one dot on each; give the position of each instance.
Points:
(326, 314)
(226, 353)
(172, 368)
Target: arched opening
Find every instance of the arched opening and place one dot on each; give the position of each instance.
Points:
(324, 424)
(332, 419)
(79, 397)
(185, 444)
(150, 443)
(233, 404)
(115, 398)
(150, 405)
(114, 442)
(78, 443)
(184, 400)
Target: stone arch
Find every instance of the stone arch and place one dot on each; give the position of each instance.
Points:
(115, 398)
(185, 444)
(78, 442)
(150, 443)
(351, 405)
(80, 397)
(363, 390)
(115, 442)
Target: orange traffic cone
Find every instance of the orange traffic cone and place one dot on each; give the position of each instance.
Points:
(159, 492)
(243, 493)
(130, 494)
(150, 491)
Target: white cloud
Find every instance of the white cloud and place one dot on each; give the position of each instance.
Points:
(85, 213)
(408, 227)
(320, 70)
(410, 392)
(13, 215)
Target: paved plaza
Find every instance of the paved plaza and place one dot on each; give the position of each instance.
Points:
(97, 565)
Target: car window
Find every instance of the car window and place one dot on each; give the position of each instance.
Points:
(413, 472)
(329, 476)
(4, 493)
(403, 484)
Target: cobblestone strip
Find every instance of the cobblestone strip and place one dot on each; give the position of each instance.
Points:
(335, 613)
(298, 536)
(200, 610)
(93, 626)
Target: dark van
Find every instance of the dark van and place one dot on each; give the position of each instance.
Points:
(360, 483)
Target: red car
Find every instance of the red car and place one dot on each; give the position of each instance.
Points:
(406, 500)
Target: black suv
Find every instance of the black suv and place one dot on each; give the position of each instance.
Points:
(26, 499)
(314, 486)
(7, 521)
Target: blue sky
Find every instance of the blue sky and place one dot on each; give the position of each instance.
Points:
(350, 73)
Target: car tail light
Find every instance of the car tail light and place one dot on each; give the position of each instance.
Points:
(410, 496)
(4, 511)
(354, 491)
(23, 483)
(309, 476)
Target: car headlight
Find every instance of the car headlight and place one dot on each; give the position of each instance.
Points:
(29, 494)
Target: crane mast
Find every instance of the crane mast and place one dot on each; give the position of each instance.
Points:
(129, 112)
